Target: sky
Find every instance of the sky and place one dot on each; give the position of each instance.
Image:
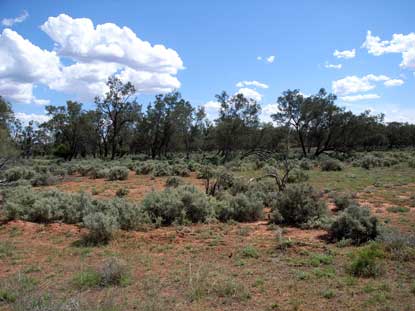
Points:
(363, 51)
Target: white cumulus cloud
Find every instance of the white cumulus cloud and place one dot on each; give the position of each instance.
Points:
(345, 54)
(353, 98)
(8, 22)
(333, 66)
(394, 82)
(270, 59)
(400, 43)
(252, 83)
(26, 117)
(354, 84)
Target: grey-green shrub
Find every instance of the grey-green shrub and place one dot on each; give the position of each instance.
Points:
(174, 181)
(240, 207)
(355, 223)
(181, 170)
(297, 205)
(44, 179)
(118, 173)
(297, 176)
(101, 227)
(178, 205)
(331, 165)
(343, 201)
(16, 173)
(122, 192)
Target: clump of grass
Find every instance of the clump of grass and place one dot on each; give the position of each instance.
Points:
(398, 209)
(113, 272)
(249, 252)
(122, 192)
(366, 261)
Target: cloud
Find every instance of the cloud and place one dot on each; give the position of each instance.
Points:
(353, 98)
(252, 83)
(267, 111)
(270, 59)
(26, 117)
(8, 22)
(354, 84)
(333, 66)
(94, 53)
(212, 105)
(250, 93)
(259, 57)
(400, 43)
(345, 54)
(79, 39)
(212, 109)
(394, 82)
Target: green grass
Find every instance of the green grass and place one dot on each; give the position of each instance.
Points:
(398, 209)
(87, 279)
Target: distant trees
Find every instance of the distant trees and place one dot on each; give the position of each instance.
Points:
(118, 126)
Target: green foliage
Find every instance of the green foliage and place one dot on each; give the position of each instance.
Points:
(122, 192)
(297, 205)
(174, 181)
(113, 272)
(118, 173)
(398, 209)
(366, 261)
(356, 224)
(44, 179)
(249, 252)
(297, 176)
(343, 201)
(329, 165)
(87, 279)
(400, 246)
(241, 207)
(101, 228)
(375, 160)
(181, 170)
(16, 173)
(178, 205)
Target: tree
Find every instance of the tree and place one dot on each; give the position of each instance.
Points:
(238, 119)
(117, 111)
(7, 120)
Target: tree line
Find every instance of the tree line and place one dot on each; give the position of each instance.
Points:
(119, 125)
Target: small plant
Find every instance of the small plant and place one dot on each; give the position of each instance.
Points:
(365, 262)
(398, 209)
(356, 224)
(343, 201)
(297, 205)
(118, 173)
(101, 228)
(113, 272)
(330, 165)
(122, 192)
(174, 181)
(249, 252)
(398, 245)
(87, 279)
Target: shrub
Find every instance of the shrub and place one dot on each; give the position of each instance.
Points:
(331, 165)
(130, 216)
(398, 209)
(343, 201)
(411, 163)
(113, 272)
(87, 279)
(174, 181)
(144, 168)
(178, 205)
(297, 176)
(99, 173)
(44, 179)
(241, 208)
(398, 245)
(181, 170)
(249, 252)
(297, 205)
(162, 169)
(355, 223)
(16, 173)
(365, 262)
(122, 192)
(101, 227)
(118, 173)
(306, 164)
(205, 172)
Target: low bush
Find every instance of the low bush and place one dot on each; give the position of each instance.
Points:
(329, 165)
(114, 272)
(16, 173)
(101, 228)
(179, 205)
(373, 161)
(118, 173)
(400, 246)
(297, 205)
(343, 201)
(366, 261)
(181, 170)
(99, 173)
(44, 179)
(355, 223)
(398, 209)
(174, 181)
(297, 176)
(240, 207)
(122, 192)
(306, 164)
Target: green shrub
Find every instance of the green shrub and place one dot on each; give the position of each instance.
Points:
(181, 170)
(241, 207)
(87, 279)
(306, 164)
(365, 262)
(118, 173)
(356, 224)
(130, 216)
(297, 176)
(400, 246)
(375, 160)
(162, 169)
(343, 201)
(398, 209)
(101, 227)
(122, 192)
(411, 163)
(249, 252)
(174, 181)
(16, 173)
(297, 205)
(113, 272)
(178, 205)
(44, 179)
(331, 165)
(99, 173)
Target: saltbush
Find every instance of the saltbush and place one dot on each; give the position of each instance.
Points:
(366, 261)
(174, 181)
(101, 227)
(240, 207)
(297, 205)
(331, 165)
(355, 223)
(16, 173)
(118, 173)
(343, 201)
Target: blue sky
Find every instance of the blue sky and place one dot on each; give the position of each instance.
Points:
(208, 47)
